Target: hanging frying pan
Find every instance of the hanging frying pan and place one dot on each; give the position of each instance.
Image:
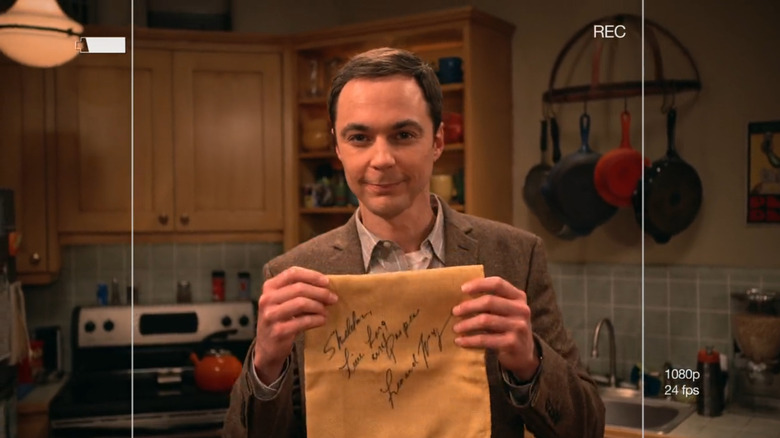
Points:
(618, 171)
(569, 188)
(672, 192)
(532, 190)
(536, 176)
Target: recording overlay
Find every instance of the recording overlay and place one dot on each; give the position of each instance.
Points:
(101, 45)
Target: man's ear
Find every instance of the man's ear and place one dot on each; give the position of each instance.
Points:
(438, 142)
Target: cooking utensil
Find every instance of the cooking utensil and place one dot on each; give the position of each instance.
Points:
(671, 192)
(532, 190)
(217, 371)
(218, 368)
(618, 171)
(569, 188)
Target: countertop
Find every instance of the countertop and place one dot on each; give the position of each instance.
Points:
(729, 425)
(37, 401)
(732, 424)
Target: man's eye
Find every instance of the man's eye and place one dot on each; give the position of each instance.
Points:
(405, 135)
(357, 138)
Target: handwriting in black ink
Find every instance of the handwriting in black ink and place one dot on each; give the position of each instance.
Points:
(423, 346)
(393, 387)
(350, 325)
(384, 338)
(351, 362)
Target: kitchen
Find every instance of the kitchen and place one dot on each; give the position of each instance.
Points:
(81, 235)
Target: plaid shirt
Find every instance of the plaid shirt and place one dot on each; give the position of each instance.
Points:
(387, 256)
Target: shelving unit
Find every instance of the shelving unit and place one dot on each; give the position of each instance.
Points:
(483, 98)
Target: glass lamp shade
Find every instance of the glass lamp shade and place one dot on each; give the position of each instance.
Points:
(38, 34)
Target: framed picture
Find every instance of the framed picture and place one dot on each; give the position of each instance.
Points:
(763, 198)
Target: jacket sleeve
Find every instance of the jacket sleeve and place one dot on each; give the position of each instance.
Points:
(280, 417)
(565, 401)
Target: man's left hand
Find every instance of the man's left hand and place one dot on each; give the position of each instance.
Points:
(498, 317)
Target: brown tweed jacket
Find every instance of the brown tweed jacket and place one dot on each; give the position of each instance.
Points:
(563, 403)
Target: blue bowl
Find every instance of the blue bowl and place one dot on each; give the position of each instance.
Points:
(450, 70)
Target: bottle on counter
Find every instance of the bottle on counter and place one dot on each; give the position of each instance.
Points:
(218, 285)
(132, 293)
(710, 399)
(116, 299)
(102, 294)
(244, 286)
(183, 292)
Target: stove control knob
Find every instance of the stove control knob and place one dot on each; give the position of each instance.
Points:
(89, 327)
(108, 325)
(244, 321)
(226, 321)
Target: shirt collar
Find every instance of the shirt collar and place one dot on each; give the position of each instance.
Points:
(369, 240)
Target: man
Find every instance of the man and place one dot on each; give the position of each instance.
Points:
(385, 106)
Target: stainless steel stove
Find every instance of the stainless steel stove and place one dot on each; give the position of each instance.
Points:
(147, 384)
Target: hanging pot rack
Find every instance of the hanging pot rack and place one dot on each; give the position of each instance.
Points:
(614, 90)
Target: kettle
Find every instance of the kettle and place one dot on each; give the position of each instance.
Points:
(217, 370)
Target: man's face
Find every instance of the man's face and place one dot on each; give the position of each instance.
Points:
(385, 140)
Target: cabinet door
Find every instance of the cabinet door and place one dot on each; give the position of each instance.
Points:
(94, 143)
(23, 168)
(153, 142)
(228, 141)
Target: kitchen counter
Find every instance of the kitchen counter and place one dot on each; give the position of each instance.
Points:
(38, 399)
(728, 425)
(732, 424)
(33, 409)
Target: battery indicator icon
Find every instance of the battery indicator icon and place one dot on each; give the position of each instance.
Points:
(101, 45)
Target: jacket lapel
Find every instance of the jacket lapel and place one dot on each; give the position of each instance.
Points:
(346, 254)
(460, 249)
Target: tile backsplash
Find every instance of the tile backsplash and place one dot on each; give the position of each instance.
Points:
(158, 267)
(685, 307)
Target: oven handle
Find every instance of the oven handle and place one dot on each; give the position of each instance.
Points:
(220, 335)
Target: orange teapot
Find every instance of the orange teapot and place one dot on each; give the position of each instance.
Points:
(216, 371)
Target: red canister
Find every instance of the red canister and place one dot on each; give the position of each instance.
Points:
(218, 285)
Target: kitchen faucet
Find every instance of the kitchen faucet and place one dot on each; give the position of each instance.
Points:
(612, 356)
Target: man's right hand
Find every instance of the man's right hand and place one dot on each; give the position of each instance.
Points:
(291, 302)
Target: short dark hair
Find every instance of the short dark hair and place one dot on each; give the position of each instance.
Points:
(384, 62)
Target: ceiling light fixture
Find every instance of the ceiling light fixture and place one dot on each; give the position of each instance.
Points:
(38, 34)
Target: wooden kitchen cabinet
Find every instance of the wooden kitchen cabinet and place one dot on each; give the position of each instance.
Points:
(228, 141)
(207, 142)
(26, 167)
(483, 98)
(94, 143)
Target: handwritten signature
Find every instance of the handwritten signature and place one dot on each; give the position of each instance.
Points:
(393, 386)
(350, 325)
(382, 338)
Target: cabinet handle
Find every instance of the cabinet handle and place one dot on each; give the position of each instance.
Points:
(35, 258)
(163, 218)
(185, 219)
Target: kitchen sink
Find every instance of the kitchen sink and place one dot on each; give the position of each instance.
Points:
(624, 409)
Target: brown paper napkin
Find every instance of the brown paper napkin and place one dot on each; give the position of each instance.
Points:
(385, 364)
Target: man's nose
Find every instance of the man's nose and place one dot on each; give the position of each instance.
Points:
(382, 154)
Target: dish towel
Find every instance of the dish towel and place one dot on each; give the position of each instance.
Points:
(385, 365)
(20, 342)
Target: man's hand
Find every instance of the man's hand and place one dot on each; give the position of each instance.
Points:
(498, 317)
(291, 302)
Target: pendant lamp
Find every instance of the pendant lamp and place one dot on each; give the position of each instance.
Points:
(38, 34)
